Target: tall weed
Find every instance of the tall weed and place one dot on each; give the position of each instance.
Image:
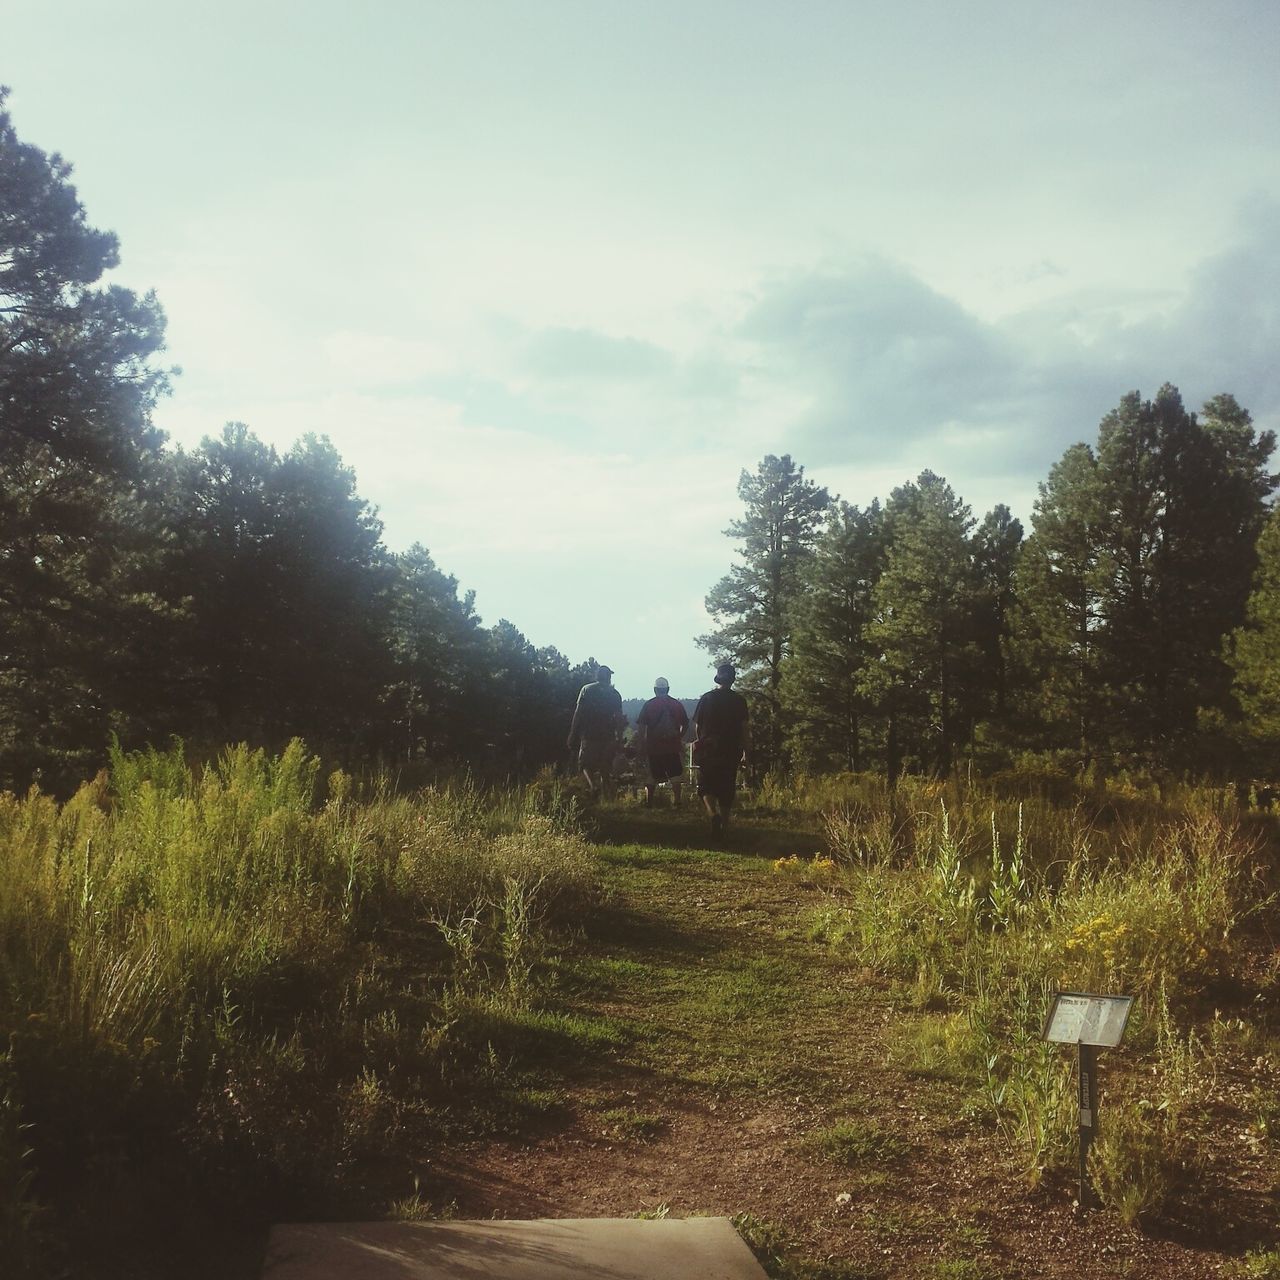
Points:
(1118, 893)
(206, 949)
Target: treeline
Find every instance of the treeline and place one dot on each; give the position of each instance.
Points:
(227, 593)
(1137, 624)
(236, 593)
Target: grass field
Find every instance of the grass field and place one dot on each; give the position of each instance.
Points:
(246, 993)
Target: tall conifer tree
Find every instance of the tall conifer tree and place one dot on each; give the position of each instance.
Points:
(440, 656)
(996, 545)
(924, 681)
(1254, 655)
(80, 468)
(822, 695)
(1136, 570)
(291, 591)
(754, 602)
(1053, 649)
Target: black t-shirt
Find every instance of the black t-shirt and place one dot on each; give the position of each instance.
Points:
(720, 725)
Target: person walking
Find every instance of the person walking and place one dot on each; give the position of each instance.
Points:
(661, 723)
(597, 730)
(721, 735)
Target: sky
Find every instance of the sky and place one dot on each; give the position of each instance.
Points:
(552, 274)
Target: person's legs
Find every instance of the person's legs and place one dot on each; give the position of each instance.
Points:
(593, 760)
(665, 766)
(715, 785)
(708, 800)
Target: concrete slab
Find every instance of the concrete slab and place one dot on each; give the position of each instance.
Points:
(545, 1249)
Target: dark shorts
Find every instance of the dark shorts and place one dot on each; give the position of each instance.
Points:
(597, 757)
(665, 765)
(719, 781)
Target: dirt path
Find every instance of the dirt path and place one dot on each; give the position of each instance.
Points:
(735, 1045)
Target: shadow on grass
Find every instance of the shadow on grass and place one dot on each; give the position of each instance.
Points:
(686, 831)
(645, 935)
(1234, 1221)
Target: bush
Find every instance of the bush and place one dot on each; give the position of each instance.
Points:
(1133, 1163)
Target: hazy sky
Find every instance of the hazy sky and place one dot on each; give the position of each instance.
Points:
(551, 275)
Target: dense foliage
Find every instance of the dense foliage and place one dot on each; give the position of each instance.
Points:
(1128, 629)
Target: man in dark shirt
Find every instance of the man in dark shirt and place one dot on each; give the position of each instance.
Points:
(720, 739)
(597, 729)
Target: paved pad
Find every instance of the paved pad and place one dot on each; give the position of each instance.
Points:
(546, 1249)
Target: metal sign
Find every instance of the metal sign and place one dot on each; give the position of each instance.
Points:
(1091, 1022)
(1079, 1017)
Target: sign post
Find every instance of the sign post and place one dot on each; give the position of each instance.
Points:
(1091, 1022)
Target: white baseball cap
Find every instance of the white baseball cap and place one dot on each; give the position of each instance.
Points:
(661, 683)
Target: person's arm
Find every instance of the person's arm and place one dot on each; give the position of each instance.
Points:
(577, 715)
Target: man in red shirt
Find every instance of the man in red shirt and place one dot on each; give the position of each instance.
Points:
(661, 724)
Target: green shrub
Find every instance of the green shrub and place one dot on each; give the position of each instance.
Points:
(1133, 1163)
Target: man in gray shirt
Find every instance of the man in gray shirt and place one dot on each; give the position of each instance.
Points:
(596, 730)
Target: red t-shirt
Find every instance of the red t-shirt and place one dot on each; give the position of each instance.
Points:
(664, 721)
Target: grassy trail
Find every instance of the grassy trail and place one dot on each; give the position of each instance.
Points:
(730, 1063)
(409, 1006)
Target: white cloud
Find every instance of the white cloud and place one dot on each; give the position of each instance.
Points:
(371, 359)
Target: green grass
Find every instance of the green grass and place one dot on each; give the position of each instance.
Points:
(629, 1125)
(853, 1144)
(783, 1259)
(265, 978)
(898, 1226)
(285, 988)
(1260, 1264)
(958, 1269)
(936, 1047)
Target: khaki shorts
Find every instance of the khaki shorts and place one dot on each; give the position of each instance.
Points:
(597, 757)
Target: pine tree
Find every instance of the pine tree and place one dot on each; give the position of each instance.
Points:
(440, 655)
(80, 467)
(823, 699)
(996, 545)
(525, 704)
(1253, 655)
(925, 679)
(291, 590)
(753, 603)
(1136, 570)
(1056, 611)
